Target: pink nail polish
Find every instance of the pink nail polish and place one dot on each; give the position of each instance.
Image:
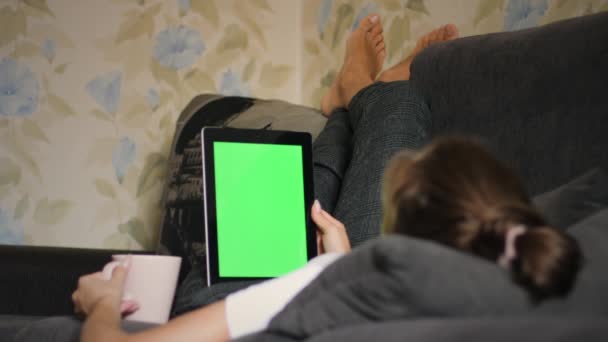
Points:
(133, 307)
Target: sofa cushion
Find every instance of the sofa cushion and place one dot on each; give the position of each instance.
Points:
(66, 329)
(10, 325)
(589, 294)
(575, 200)
(398, 277)
(545, 329)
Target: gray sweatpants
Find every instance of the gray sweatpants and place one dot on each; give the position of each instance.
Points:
(353, 149)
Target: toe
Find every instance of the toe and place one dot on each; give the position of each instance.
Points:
(376, 30)
(436, 35)
(444, 33)
(377, 40)
(426, 40)
(451, 31)
(431, 37)
(382, 54)
(369, 22)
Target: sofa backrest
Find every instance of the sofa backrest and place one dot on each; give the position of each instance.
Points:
(537, 97)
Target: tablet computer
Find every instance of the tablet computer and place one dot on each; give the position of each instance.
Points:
(258, 190)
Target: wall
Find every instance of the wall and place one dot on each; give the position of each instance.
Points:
(90, 91)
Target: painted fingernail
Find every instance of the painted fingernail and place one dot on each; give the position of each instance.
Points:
(374, 19)
(316, 206)
(129, 307)
(132, 305)
(451, 29)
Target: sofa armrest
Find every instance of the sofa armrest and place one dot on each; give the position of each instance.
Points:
(39, 281)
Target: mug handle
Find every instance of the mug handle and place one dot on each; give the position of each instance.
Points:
(108, 269)
(128, 305)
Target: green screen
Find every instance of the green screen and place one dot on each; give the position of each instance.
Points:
(261, 224)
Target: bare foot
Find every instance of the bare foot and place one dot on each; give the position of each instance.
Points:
(401, 71)
(363, 61)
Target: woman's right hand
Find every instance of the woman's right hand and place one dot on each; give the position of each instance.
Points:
(331, 233)
(95, 288)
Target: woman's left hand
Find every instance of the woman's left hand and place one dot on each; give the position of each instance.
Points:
(94, 289)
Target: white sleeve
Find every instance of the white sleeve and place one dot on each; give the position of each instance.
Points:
(251, 309)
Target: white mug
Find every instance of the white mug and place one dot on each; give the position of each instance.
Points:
(151, 282)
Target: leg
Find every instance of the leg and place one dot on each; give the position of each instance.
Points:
(401, 71)
(363, 61)
(332, 149)
(385, 118)
(331, 154)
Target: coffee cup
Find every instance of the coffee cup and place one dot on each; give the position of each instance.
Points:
(151, 282)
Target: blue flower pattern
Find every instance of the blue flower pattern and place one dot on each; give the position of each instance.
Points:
(105, 90)
(364, 12)
(232, 85)
(123, 156)
(18, 89)
(522, 14)
(48, 50)
(178, 47)
(323, 15)
(11, 231)
(153, 99)
(184, 5)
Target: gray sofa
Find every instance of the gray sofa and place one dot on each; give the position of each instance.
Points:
(538, 99)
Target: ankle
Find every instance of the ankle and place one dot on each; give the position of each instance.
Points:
(385, 76)
(350, 84)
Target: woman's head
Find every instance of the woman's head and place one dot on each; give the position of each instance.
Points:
(458, 194)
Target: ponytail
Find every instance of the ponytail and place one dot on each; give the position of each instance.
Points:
(542, 259)
(546, 261)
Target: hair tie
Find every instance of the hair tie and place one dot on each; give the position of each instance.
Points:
(510, 253)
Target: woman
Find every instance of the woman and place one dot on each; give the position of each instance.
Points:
(452, 192)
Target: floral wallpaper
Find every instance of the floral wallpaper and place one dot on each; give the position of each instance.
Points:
(89, 94)
(90, 91)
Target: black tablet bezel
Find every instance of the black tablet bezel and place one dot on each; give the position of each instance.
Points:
(209, 135)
